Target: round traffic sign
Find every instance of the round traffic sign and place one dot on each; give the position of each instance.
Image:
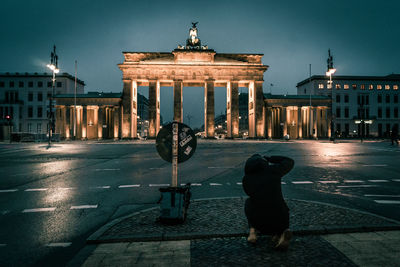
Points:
(187, 142)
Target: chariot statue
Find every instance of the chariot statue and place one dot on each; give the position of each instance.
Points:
(193, 41)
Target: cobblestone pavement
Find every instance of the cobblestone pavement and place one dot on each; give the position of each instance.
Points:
(215, 235)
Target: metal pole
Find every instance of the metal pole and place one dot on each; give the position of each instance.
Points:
(174, 154)
(310, 103)
(76, 70)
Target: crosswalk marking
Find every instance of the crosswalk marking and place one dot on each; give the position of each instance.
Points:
(353, 181)
(302, 182)
(102, 187)
(8, 190)
(158, 185)
(396, 180)
(378, 181)
(39, 210)
(387, 201)
(64, 245)
(97, 170)
(328, 182)
(129, 185)
(35, 189)
(215, 184)
(83, 207)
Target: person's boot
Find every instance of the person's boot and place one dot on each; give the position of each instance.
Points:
(284, 240)
(252, 236)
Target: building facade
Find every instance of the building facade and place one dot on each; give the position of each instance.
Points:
(25, 98)
(361, 105)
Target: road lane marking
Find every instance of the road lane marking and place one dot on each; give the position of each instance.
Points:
(387, 201)
(355, 186)
(3, 245)
(283, 182)
(64, 245)
(66, 188)
(374, 165)
(35, 189)
(196, 184)
(221, 167)
(97, 170)
(156, 168)
(215, 184)
(396, 180)
(369, 195)
(83, 207)
(158, 185)
(4, 212)
(239, 183)
(39, 210)
(8, 190)
(102, 187)
(353, 181)
(129, 185)
(302, 182)
(378, 181)
(328, 182)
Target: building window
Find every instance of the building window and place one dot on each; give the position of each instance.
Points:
(21, 84)
(367, 113)
(379, 87)
(366, 99)
(346, 112)
(387, 112)
(40, 96)
(30, 96)
(48, 95)
(30, 112)
(59, 84)
(379, 98)
(49, 84)
(329, 86)
(346, 98)
(337, 98)
(337, 112)
(396, 99)
(338, 86)
(40, 84)
(29, 127)
(321, 86)
(30, 84)
(11, 84)
(354, 86)
(387, 98)
(371, 87)
(387, 87)
(39, 128)
(362, 86)
(379, 112)
(396, 112)
(395, 87)
(346, 86)
(1, 84)
(39, 112)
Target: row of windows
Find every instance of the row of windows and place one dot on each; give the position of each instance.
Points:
(380, 128)
(4, 111)
(11, 84)
(355, 86)
(364, 113)
(12, 97)
(364, 99)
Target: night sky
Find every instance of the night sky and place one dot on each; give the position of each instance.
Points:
(364, 37)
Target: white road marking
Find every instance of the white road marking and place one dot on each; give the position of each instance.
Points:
(396, 180)
(215, 184)
(39, 210)
(239, 183)
(156, 168)
(378, 181)
(35, 189)
(302, 182)
(64, 245)
(328, 182)
(102, 187)
(374, 165)
(353, 181)
(83, 207)
(8, 190)
(387, 201)
(221, 167)
(97, 170)
(158, 185)
(283, 182)
(194, 184)
(4, 212)
(129, 185)
(3, 245)
(66, 188)
(369, 195)
(354, 186)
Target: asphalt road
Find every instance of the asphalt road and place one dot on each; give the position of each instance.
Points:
(52, 199)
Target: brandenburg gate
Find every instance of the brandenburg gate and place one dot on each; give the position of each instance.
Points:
(193, 65)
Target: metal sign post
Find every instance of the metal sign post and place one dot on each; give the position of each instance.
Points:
(174, 155)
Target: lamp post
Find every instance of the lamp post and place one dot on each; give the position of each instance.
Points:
(330, 71)
(53, 66)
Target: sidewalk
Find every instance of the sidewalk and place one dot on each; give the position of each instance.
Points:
(215, 235)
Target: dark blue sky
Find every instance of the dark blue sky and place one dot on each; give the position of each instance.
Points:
(364, 37)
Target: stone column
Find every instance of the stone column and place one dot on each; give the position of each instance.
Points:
(315, 122)
(269, 122)
(129, 108)
(256, 103)
(115, 122)
(178, 101)
(133, 109)
(329, 118)
(100, 112)
(84, 122)
(228, 110)
(209, 109)
(299, 122)
(284, 120)
(153, 108)
(251, 112)
(158, 87)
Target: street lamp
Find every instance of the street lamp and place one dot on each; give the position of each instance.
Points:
(53, 66)
(330, 71)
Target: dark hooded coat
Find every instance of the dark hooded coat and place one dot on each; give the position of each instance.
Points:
(265, 209)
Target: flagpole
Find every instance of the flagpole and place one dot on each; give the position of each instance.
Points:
(76, 72)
